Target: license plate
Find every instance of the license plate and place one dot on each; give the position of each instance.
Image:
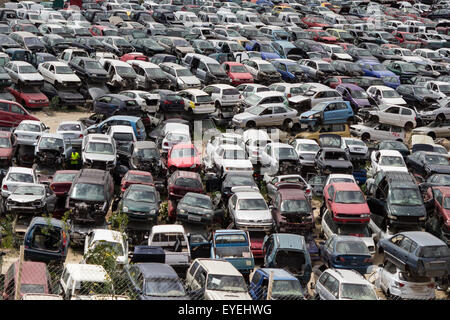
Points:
(194, 218)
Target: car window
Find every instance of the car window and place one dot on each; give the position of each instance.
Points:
(405, 244)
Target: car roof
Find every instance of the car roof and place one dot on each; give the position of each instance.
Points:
(156, 270)
(346, 186)
(288, 240)
(347, 276)
(216, 266)
(21, 170)
(86, 272)
(168, 228)
(386, 152)
(423, 238)
(278, 274)
(107, 235)
(291, 194)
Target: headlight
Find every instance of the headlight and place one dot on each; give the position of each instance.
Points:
(153, 211)
(182, 211)
(422, 218)
(125, 209)
(392, 217)
(365, 215)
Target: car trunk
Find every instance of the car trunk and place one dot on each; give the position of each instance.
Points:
(292, 260)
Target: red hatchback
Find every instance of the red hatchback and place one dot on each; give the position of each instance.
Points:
(321, 36)
(315, 22)
(134, 56)
(7, 148)
(441, 197)
(12, 113)
(407, 40)
(346, 203)
(237, 73)
(62, 181)
(182, 182)
(184, 156)
(31, 97)
(136, 177)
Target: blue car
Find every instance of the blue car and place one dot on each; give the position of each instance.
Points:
(264, 47)
(287, 50)
(328, 112)
(135, 122)
(392, 82)
(285, 286)
(289, 69)
(345, 252)
(375, 69)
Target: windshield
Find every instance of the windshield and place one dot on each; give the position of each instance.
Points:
(349, 197)
(285, 153)
(434, 252)
(32, 288)
(308, 147)
(357, 230)
(29, 127)
(436, 159)
(252, 204)
(184, 73)
(325, 67)
(27, 69)
(405, 197)
(295, 206)
(256, 110)
(200, 202)
(184, 152)
(148, 153)
(409, 67)
(140, 195)
(235, 155)
(294, 68)
(88, 192)
(64, 177)
(122, 136)
(69, 127)
(125, 71)
(357, 292)
(111, 246)
(287, 288)
(48, 142)
(267, 67)
(91, 288)
(63, 70)
(99, 147)
(155, 73)
(188, 183)
(32, 41)
(445, 88)
(390, 94)
(178, 137)
(161, 287)
(359, 94)
(352, 247)
(29, 190)
(93, 65)
(216, 69)
(226, 283)
(392, 161)
(5, 143)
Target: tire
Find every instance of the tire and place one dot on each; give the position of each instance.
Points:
(432, 135)
(351, 120)
(374, 119)
(250, 124)
(408, 126)
(440, 117)
(365, 136)
(286, 124)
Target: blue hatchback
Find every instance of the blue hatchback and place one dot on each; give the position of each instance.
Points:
(328, 112)
(345, 252)
(135, 122)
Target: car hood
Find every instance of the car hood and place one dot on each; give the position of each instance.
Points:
(309, 113)
(253, 215)
(298, 98)
(184, 162)
(343, 56)
(244, 115)
(224, 295)
(24, 198)
(35, 96)
(241, 163)
(394, 100)
(192, 209)
(185, 49)
(97, 72)
(269, 55)
(69, 77)
(415, 211)
(385, 73)
(437, 168)
(190, 80)
(99, 157)
(338, 163)
(353, 208)
(31, 76)
(362, 102)
(392, 168)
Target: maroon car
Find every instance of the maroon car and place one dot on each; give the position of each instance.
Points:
(291, 210)
(136, 177)
(256, 243)
(62, 181)
(182, 182)
(12, 113)
(7, 148)
(31, 97)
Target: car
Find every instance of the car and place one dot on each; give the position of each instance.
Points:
(427, 163)
(248, 209)
(327, 113)
(159, 281)
(136, 177)
(23, 73)
(62, 181)
(30, 199)
(123, 120)
(72, 131)
(15, 177)
(8, 146)
(202, 280)
(262, 71)
(288, 251)
(356, 148)
(237, 73)
(183, 156)
(88, 69)
(387, 160)
(115, 104)
(346, 203)
(140, 202)
(346, 252)
(291, 209)
(182, 182)
(419, 97)
(99, 151)
(286, 180)
(195, 208)
(385, 95)
(435, 129)
(149, 75)
(334, 284)
(115, 240)
(197, 101)
(306, 150)
(333, 160)
(417, 253)
(280, 158)
(394, 145)
(228, 158)
(258, 287)
(30, 97)
(396, 284)
(180, 76)
(316, 70)
(174, 133)
(266, 115)
(380, 132)
(149, 102)
(123, 136)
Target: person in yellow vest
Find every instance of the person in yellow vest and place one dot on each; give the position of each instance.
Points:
(74, 159)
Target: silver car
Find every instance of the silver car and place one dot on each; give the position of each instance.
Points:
(180, 77)
(72, 132)
(266, 115)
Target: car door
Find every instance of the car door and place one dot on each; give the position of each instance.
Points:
(390, 115)
(50, 199)
(443, 129)
(7, 119)
(265, 118)
(102, 105)
(17, 114)
(232, 206)
(266, 155)
(392, 250)
(331, 288)
(271, 187)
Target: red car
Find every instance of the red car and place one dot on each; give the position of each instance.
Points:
(12, 113)
(103, 31)
(334, 81)
(136, 177)
(134, 56)
(346, 203)
(321, 36)
(315, 22)
(441, 197)
(62, 181)
(407, 40)
(237, 73)
(31, 97)
(182, 182)
(256, 243)
(7, 148)
(184, 156)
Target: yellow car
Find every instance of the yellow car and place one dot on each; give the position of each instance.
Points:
(341, 129)
(282, 8)
(341, 34)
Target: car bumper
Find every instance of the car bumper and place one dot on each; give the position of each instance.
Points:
(47, 256)
(358, 156)
(24, 209)
(350, 220)
(36, 104)
(254, 227)
(195, 219)
(424, 294)
(257, 253)
(296, 227)
(204, 109)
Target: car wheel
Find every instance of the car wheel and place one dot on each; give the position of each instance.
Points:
(432, 135)
(250, 124)
(374, 119)
(440, 117)
(365, 136)
(408, 126)
(351, 120)
(287, 124)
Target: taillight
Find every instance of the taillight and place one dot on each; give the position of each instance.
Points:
(431, 285)
(367, 260)
(289, 95)
(64, 239)
(52, 187)
(308, 191)
(341, 259)
(166, 144)
(80, 136)
(5, 187)
(166, 102)
(399, 284)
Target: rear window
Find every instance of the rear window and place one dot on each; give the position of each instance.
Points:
(64, 177)
(230, 92)
(188, 183)
(434, 252)
(123, 136)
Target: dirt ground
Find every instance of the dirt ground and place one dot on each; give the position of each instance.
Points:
(53, 118)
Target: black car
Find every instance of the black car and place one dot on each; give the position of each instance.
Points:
(55, 44)
(147, 46)
(88, 69)
(204, 47)
(66, 97)
(427, 163)
(162, 57)
(145, 156)
(361, 37)
(333, 160)
(235, 180)
(366, 82)
(394, 145)
(116, 104)
(383, 54)
(417, 96)
(154, 281)
(347, 68)
(252, 33)
(141, 203)
(360, 53)
(165, 17)
(195, 208)
(170, 101)
(90, 44)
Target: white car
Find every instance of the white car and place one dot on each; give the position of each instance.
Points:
(98, 150)
(395, 115)
(59, 74)
(175, 133)
(395, 283)
(387, 160)
(275, 155)
(247, 89)
(223, 139)
(222, 95)
(72, 131)
(337, 52)
(29, 131)
(441, 88)
(315, 93)
(149, 102)
(385, 95)
(255, 141)
(306, 150)
(16, 176)
(23, 73)
(197, 101)
(407, 55)
(381, 131)
(231, 158)
(114, 239)
(248, 210)
(330, 228)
